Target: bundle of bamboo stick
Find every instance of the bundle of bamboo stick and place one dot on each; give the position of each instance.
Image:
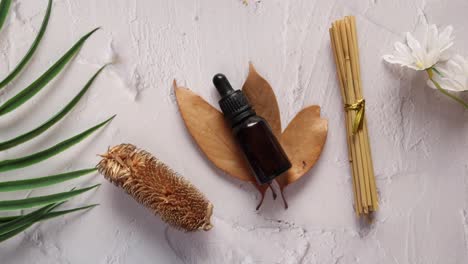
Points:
(345, 49)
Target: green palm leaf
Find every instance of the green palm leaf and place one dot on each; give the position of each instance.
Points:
(46, 216)
(14, 232)
(4, 7)
(41, 200)
(6, 219)
(13, 225)
(25, 219)
(22, 222)
(45, 78)
(31, 50)
(18, 185)
(18, 163)
(63, 212)
(57, 117)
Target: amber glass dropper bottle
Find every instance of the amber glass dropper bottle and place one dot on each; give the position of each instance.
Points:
(264, 153)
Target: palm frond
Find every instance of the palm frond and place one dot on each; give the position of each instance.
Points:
(15, 232)
(9, 205)
(52, 121)
(46, 216)
(24, 61)
(11, 226)
(4, 7)
(10, 186)
(25, 219)
(13, 164)
(28, 92)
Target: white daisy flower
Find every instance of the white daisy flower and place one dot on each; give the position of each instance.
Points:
(453, 75)
(421, 53)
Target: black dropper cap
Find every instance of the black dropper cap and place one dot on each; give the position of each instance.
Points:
(222, 85)
(233, 103)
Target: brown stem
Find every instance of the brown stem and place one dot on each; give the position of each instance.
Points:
(272, 191)
(284, 199)
(261, 201)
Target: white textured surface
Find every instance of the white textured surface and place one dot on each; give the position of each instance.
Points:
(419, 138)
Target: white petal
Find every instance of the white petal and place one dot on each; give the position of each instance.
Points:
(454, 66)
(445, 46)
(414, 67)
(401, 61)
(446, 34)
(445, 55)
(394, 60)
(446, 39)
(441, 81)
(421, 26)
(450, 81)
(444, 72)
(459, 59)
(431, 59)
(462, 62)
(454, 85)
(457, 63)
(403, 50)
(432, 39)
(413, 43)
(417, 52)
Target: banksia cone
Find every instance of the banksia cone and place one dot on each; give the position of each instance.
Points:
(155, 185)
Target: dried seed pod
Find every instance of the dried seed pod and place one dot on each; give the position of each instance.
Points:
(155, 185)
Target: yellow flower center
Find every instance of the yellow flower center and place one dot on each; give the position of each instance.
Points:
(420, 65)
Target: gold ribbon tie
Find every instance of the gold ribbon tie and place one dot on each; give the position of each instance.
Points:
(358, 106)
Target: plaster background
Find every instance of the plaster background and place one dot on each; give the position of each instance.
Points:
(419, 138)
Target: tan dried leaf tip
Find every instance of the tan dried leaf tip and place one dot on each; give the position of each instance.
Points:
(153, 184)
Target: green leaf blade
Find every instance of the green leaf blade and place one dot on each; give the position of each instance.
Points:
(24, 61)
(28, 184)
(55, 214)
(52, 121)
(9, 205)
(7, 165)
(46, 216)
(28, 92)
(6, 219)
(4, 7)
(25, 219)
(13, 233)
(49, 215)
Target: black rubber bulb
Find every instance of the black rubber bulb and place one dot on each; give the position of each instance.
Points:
(222, 85)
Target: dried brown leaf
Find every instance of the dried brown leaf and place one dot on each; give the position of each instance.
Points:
(214, 137)
(303, 141)
(263, 99)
